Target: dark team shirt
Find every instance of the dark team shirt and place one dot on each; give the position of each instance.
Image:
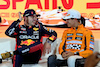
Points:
(27, 35)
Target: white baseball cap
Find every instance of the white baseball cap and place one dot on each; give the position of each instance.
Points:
(72, 14)
(96, 16)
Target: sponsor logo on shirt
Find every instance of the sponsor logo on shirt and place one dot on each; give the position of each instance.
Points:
(79, 34)
(44, 27)
(26, 50)
(29, 36)
(73, 46)
(92, 39)
(27, 42)
(11, 31)
(35, 28)
(69, 34)
(78, 38)
(52, 37)
(91, 49)
(50, 30)
(91, 45)
(22, 31)
(36, 32)
(78, 42)
(91, 42)
(69, 38)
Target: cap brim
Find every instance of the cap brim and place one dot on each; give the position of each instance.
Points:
(38, 15)
(32, 15)
(66, 17)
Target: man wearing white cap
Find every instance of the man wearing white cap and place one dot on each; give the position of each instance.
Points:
(77, 42)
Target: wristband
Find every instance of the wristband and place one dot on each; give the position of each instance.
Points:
(48, 41)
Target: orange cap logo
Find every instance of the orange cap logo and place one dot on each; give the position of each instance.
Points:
(68, 15)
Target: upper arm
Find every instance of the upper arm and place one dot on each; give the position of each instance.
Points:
(62, 44)
(52, 34)
(12, 30)
(90, 41)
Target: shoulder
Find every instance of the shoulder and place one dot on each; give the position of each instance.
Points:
(87, 30)
(22, 26)
(67, 30)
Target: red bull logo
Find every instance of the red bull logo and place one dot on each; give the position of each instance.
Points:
(35, 28)
(27, 42)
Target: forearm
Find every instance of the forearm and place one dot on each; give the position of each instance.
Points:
(85, 53)
(11, 30)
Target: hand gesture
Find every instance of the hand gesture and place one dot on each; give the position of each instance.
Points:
(20, 17)
(67, 54)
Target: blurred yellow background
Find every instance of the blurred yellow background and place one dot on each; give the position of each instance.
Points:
(8, 12)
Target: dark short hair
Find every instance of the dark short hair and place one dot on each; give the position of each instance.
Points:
(29, 12)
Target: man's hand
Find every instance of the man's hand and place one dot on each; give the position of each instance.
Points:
(67, 54)
(20, 17)
(46, 48)
(92, 60)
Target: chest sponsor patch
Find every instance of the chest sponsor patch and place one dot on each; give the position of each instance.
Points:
(69, 34)
(91, 42)
(91, 49)
(29, 36)
(78, 38)
(22, 31)
(92, 39)
(35, 29)
(92, 46)
(27, 42)
(79, 34)
(36, 32)
(73, 46)
(69, 38)
(78, 42)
